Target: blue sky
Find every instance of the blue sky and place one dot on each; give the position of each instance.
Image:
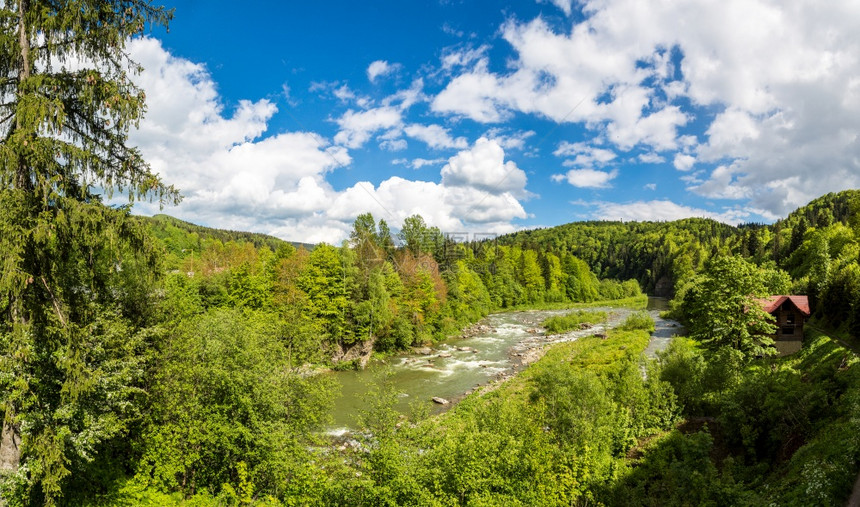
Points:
(292, 118)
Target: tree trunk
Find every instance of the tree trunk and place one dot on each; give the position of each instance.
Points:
(23, 180)
(10, 448)
(10, 439)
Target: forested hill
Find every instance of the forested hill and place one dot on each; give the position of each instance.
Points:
(181, 238)
(660, 255)
(657, 254)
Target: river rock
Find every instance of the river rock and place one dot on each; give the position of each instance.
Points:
(444, 355)
(440, 401)
(425, 351)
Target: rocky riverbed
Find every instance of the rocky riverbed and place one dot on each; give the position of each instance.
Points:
(482, 355)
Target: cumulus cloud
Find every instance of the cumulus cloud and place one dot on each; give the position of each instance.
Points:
(484, 167)
(186, 138)
(435, 136)
(565, 5)
(234, 176)
(393, 144)
(651, 158)
(587, 178)
(449, 208)
(379, 68)
(418, 163)
(510, 141)
(566, 79)
(663, 210)
(777, 86)
(357, 127)
(584, 154)
(683, 162)
(463, 57)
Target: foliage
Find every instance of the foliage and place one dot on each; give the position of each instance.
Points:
(183, 240)
(638, 320)
(224, 396)
(721, 309)
(200, 383)
(573, 320)
(782, 432)
(73, 283)
(676, 470)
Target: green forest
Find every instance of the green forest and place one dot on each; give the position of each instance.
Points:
(149, 361)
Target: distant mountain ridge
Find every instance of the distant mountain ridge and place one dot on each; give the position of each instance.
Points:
(658, 254)
(179, 235)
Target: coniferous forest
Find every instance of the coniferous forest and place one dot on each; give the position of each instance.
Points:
(149, 361)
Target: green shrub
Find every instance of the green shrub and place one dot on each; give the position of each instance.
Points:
(564, 323)
(638, 320)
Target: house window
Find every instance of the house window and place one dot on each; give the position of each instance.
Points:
(787, 330)
(789, 319)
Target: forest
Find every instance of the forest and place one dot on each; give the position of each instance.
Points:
(200, 384)
(148, 361)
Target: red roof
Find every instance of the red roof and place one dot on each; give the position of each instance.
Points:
(771, 303)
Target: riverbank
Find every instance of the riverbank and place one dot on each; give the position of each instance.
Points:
(497, 348)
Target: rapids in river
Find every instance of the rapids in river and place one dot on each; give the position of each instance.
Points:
(497, 346)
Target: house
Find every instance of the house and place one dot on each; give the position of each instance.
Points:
(790, 313)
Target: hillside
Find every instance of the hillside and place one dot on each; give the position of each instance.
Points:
(660, 255)
(181, 238)
(201, 389)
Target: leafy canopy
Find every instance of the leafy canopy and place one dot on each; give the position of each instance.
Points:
(73, 273)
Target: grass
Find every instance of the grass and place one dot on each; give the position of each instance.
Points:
(573, 320)
(604, 356)
(639, 320)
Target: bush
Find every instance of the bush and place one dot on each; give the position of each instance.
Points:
(638, 320)
(564, 323)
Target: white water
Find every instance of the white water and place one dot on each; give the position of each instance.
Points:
(490, 356)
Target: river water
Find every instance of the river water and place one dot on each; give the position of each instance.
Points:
(497, 346)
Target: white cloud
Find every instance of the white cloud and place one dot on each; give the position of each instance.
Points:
(357, 127)
(451, 209)
(477, 95)
(379, 68)
(435, 136)
(393, 144)
(406, 98)
(564, 79)
(587, 178)
(651, 158)
(233, 176)
(683, 162)
(484, 167)
(584, 154)
(663, 210)
(650, 186)
(565, 5)
(463, 57)
(418, 163)
(344, 93)
(783, 77)
(514, 141)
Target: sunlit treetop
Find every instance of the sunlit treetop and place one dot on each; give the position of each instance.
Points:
(67, 99)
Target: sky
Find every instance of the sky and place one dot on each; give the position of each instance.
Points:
(486, 117)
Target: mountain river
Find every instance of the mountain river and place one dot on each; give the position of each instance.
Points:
(496, 347)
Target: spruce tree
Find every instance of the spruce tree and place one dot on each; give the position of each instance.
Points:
(73, 268)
